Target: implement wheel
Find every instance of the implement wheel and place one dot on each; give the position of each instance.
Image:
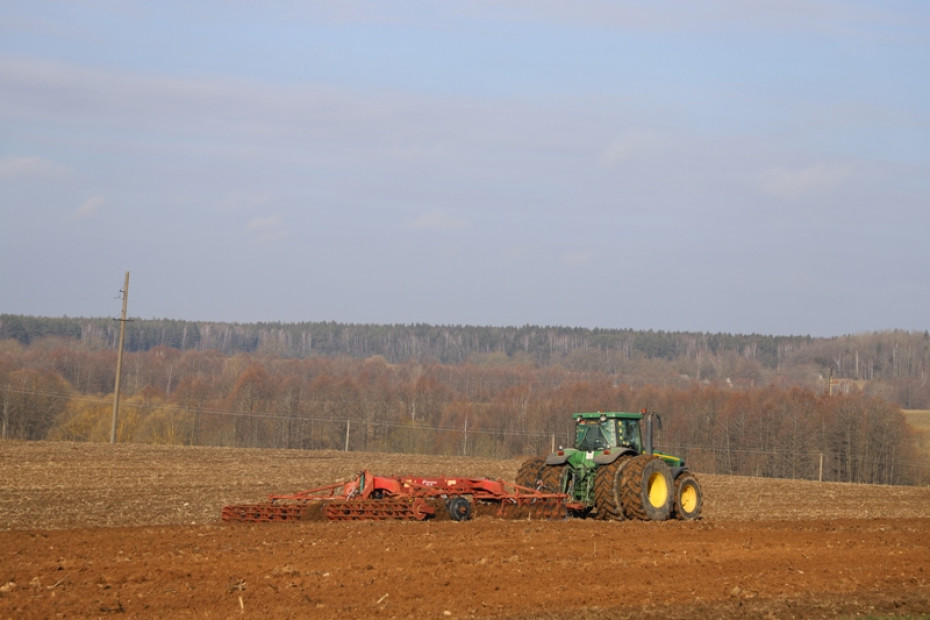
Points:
(607, 490)
(459, 508)
(646, 489)
(688, 497)
(530, 472)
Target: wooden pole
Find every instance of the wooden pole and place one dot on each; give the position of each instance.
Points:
(6, 412)
(119, 359)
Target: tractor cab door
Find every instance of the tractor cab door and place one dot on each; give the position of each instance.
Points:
(629, 434)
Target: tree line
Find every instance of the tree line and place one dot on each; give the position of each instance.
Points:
(489, 406)
(894, 365)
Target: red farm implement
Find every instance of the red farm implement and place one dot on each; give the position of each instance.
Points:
(368, 497)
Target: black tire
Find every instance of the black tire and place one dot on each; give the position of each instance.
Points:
(552, 479)
(607, 490)
(689, 499)
(459, 508)
(529, 474)
(647, 489)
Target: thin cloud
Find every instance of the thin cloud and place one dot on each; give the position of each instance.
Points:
(713, 16)
(808, 180)
(88, 208)
(266, 229)
(35, 167)
(437, 220)
(518, 252)
(243, 201)
(260, 115)
(632, 145)
(574, 259)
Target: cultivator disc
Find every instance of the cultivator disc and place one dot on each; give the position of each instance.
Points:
(547, 508)
(378, 510)
(263, 513)
(335, 510)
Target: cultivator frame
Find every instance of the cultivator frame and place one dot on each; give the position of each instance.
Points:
(369, 497)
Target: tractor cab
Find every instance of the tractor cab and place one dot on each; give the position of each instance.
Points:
(601, 431)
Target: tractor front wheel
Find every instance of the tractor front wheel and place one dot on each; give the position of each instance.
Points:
(646, 489)
(688, 497)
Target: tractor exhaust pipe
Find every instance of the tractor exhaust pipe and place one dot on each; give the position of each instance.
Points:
(648, 444)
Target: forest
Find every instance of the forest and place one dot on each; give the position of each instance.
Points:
(793, 407)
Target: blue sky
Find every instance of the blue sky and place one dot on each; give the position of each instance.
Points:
(720, 166)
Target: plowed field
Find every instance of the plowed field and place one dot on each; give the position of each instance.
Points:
(90, 530)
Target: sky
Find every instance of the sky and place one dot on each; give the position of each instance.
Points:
(734, 166)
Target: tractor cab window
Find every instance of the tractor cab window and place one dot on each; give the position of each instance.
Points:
(628, 434)
(590, 436)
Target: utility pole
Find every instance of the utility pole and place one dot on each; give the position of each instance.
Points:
(6, 412)
(119, 359)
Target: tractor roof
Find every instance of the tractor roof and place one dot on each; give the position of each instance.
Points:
(609, 414)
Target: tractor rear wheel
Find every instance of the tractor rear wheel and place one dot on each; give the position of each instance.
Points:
(552, 478)
(688, 497)
(530, 472)
(607, 490)
(646, 489)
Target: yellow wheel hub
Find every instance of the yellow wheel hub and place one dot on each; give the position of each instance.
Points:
(657, 488)
(688, 498)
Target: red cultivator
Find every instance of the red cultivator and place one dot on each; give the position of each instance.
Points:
(373, 498)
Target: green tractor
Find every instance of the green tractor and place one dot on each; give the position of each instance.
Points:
(613, 472)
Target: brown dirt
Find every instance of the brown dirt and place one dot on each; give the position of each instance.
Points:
(91, 530)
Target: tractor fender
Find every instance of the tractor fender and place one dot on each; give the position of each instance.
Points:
(557, 458)
(608, 458)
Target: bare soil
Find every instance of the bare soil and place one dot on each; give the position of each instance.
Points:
(93, 530)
